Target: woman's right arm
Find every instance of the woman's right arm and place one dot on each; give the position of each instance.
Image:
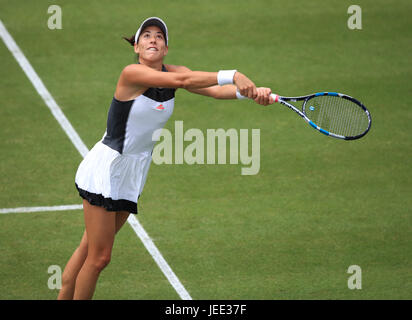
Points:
(142, 76)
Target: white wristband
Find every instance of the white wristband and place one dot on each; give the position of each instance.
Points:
(225, 77)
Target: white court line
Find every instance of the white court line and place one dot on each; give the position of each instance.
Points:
(42, 209)
(83, 150)
(42, 91)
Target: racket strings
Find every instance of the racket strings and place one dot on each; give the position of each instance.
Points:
(337, 115)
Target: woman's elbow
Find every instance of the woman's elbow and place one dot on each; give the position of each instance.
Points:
(185, 82)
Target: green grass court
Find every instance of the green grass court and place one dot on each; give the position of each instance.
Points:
(317, 206)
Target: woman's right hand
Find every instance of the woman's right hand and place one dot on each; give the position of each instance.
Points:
(245, 86)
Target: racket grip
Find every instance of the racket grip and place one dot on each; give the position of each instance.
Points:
(273, 95)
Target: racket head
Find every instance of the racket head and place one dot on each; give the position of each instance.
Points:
(337, 114)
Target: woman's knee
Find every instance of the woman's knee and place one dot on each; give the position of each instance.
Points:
(68, 278)
(100, 261)
(83, 246)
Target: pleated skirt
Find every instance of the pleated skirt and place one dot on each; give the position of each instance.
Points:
(112, 180)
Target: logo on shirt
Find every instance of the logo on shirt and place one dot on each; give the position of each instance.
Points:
(160, 107)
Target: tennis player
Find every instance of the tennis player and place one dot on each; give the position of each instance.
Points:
(111, 177)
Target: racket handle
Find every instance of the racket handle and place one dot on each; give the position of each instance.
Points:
(273, 95)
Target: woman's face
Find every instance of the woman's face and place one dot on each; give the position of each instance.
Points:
(151, 45)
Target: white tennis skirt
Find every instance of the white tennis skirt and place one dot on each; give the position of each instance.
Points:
(112, 180)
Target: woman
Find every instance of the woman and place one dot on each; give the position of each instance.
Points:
(112, 175)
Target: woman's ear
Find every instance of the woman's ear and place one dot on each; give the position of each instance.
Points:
(166, 50)
(136, 48)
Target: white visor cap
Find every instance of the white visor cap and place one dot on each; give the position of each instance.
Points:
(152, 21)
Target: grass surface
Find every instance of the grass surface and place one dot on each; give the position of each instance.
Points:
(317, 206)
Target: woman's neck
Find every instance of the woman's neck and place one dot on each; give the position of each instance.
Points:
(154, 65)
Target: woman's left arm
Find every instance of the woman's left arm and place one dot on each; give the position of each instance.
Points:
(229, 92)
(226, 91)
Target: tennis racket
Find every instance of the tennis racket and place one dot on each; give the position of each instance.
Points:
(333, 114)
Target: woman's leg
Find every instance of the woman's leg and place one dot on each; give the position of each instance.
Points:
(78, 258)
(100, 228)
(72, 270)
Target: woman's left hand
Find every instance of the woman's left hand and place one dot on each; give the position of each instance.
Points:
(264, 97)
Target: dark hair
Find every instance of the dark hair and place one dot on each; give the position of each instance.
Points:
(130, 40)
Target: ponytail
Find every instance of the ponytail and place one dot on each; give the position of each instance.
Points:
(130, 40)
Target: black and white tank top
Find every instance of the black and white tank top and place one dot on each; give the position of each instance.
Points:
(131, 124)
